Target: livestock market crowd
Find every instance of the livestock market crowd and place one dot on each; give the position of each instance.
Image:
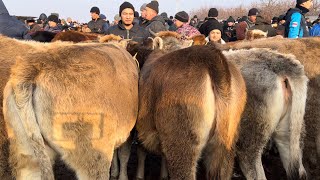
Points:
(234, 98)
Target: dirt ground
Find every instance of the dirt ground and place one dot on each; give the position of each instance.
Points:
(272, 165)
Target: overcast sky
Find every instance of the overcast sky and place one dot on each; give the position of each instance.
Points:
(79, 9)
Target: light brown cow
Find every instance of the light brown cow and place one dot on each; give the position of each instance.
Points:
(191, 101)
(79, 101)
(307, 51)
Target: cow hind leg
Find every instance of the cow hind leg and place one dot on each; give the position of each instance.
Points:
(142, 154)
(114, 170)
(23, 162)
(124, 155)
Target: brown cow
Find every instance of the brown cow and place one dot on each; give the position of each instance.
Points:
(79, 101)
(307, 51)
(74, 36)
(190, 100)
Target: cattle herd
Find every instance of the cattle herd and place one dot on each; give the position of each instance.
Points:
(86, 101)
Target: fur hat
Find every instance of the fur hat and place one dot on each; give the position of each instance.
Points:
(253, 12)
(182, 16)
(53, 18)
(213, 12)
(125, 5)
(95, 10)
(154, 5)
(301, 1)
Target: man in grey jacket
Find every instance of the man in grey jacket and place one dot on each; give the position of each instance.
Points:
(10, 26)
(155, 23)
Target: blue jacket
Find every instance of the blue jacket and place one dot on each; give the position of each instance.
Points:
(295, 26)
(10, 26)
(315, 31)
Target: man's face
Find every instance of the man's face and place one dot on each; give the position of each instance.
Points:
(307, 4)
(177, 23)
(127, 16)
(52, 24)
(94, 15)
(253, 18)
(143, 13)
(150, 13)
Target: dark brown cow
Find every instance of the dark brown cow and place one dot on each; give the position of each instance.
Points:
(191, 101)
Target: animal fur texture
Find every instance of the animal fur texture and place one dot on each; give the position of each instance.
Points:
(79, 101)
(277, 91)
(307, 51)
(191, 99)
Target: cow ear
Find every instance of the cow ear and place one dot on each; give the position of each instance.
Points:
(157, 43)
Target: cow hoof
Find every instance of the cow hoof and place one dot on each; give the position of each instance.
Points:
(123, 177)
(113, 178)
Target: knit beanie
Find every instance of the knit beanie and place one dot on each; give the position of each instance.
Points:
(143, 7)
(53, 18)
(230, 19)
(253, 12)
(154, 5)
(95, 10)
(125, 5)
(182, 16)
(213, 12)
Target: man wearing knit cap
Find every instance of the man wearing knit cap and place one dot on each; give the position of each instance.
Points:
(52, 26)
(212, 22)
(97, 25)
(127, 28)
(295, 26)
(243, 26)
(155, 22)
(181, 20)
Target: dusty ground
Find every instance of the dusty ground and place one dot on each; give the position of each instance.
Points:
(272, 165)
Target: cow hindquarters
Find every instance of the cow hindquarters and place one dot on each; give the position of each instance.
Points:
(218, 154)
(288, 132)
(28, 154)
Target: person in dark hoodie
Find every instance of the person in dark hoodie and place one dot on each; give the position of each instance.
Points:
(127, 28)
(229, 30)
(262, 25)
(211, 23)
(10, 26)
(296, 26)
(155, 22)
(97, 25)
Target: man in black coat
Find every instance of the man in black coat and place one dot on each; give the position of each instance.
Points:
(97, 25)
(10, 26)
(127, 28)
(212, 22)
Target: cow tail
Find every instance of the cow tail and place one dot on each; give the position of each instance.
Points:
(298, 89)
(229, 102)
(19, 112)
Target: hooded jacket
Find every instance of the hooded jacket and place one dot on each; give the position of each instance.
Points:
(156, 24)
(10, 26)
(295, 25)
(136, 33)
(262, 25)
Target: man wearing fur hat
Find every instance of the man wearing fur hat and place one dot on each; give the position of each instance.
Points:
(97, 25)
(296, 26)
(127, 28)
(155, 22)
(211, 23)
(52, 26)
(181, 20)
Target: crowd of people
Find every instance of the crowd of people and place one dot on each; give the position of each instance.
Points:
(130, 25)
